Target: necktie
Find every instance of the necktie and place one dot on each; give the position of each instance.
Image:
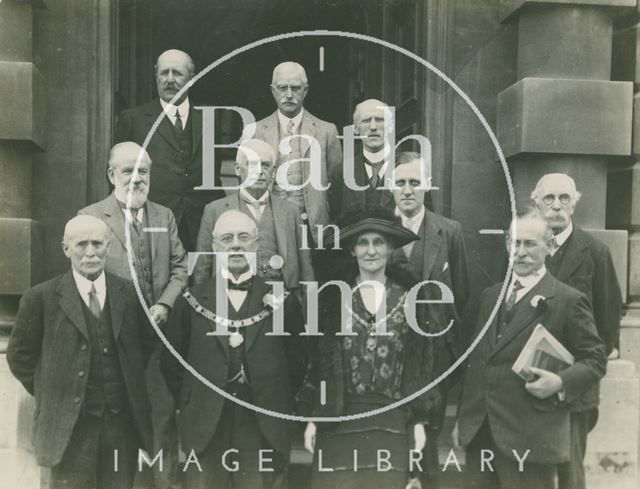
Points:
(554, 246)
(511, 300)
(375, 170)
(240, 285)
(290, 127)
(94, 304)
(255, 205)
(178, 121)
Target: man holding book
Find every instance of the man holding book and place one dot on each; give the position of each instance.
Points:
(517, 432)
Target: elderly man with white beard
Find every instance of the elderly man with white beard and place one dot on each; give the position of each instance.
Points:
(160, 265)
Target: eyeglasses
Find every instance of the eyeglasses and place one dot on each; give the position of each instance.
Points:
(282, 88)
(549, 199)
(227, 238)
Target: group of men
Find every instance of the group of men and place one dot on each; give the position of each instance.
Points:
(105, 386)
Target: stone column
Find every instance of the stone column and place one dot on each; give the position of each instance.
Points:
(21, 238)
(564, 114)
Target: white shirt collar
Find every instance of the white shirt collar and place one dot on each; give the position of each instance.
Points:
(139, 213)
(284, 121)
(262, 200)
(377, 157)
(242, 278)
(563, 236)
(84, 287)
(412, 223)
(170, 110)
(528, 282)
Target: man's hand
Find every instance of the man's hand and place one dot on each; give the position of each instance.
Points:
(310, 437)
(159, 313)
(547, 383)
(419, 436)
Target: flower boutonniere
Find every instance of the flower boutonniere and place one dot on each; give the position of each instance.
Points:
(272, 301)
(539, 302)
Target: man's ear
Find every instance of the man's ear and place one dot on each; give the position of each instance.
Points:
(237, 169)
(111, 176)
(65, 250)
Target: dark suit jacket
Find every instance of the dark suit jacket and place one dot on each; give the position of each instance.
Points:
(49, 347)
(275, 366)
(588, 267)
(492, 390)
(343, 198)
(172, 183)
(326, 134)
(440, 256)
(297, 261)
(169, 260)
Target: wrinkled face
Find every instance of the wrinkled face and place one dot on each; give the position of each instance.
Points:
(409, 196)
(531, 246)
(87, 248)
(264, 177)
(236, 236)
(172, 73)
(557, 203)
(371, 251)
(289, 90)
(369, 124)
(122, 174)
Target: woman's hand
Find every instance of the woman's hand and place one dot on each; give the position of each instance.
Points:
(419, 436)
(310, 437)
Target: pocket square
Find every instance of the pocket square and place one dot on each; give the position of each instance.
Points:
(446, 265)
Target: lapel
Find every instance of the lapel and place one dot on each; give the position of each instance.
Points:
(155, 221)
(525, 314)
(278, 209)
(117, 300)
(208, 301)
(154, 110)
(271, 128)
(572, 255)
(258, 290)
(431, 240)
(195, 116)
(308, 128)
(70, 303)
(114, 217)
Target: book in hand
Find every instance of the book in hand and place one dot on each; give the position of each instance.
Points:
(543, 351)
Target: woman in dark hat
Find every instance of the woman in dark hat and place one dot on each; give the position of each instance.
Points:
(367, 371)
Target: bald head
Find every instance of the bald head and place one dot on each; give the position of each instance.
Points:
(556, 197)
(289, 87)
(86, 243)
(234, 221)
(255, 150)
(289, 69)
(130, 171)
(367, 106)
(174, 69)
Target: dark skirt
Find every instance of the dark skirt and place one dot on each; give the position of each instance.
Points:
(374, 440)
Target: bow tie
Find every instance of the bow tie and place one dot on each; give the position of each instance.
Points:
(246, 285)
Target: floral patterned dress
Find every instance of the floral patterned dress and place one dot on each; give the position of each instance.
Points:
(373, 366)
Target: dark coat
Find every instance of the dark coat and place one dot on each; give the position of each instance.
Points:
(440, 256)
(588, 267)
(49, 354)
(519, 421)
(172, 184)
(275, 365)
(342, 198)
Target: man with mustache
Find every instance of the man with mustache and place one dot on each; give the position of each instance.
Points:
(175, 147)
(583, 262)
(79, 346)
(439, 256)
(289, 87)
(281, 254)
(525, 426)
(250, 364)
(160, 265)
(370, 162)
